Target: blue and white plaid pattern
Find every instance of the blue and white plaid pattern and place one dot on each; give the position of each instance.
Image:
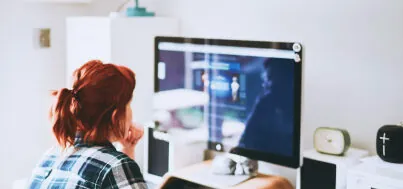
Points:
(87, 166)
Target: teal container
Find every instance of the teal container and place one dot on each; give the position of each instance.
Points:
(138, 11)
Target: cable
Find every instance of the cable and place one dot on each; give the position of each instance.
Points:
(122, 5)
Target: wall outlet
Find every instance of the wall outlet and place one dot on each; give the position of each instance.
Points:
(42, 38)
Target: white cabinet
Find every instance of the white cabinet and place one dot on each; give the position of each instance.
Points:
(120, 40)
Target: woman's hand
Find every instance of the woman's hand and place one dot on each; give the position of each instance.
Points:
(131, 140)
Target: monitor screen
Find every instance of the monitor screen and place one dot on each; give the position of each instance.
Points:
(246, 95)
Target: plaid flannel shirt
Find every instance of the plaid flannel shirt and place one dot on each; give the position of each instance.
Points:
(87, 166)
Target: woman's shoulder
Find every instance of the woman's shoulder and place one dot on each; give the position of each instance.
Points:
(120, 169)
(114, 158)
(109, 154)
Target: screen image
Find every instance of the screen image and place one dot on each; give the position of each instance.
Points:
(242, 97)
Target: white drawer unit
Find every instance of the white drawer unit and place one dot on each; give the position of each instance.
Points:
(322, 171)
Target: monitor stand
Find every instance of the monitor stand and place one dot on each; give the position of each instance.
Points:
(225, 171)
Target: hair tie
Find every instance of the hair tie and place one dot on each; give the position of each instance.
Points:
(74, 93)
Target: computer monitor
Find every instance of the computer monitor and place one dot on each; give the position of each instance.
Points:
(247, 94)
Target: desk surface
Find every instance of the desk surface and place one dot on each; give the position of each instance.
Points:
(261, 181)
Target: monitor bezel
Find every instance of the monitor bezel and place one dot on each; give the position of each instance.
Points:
(293, 161)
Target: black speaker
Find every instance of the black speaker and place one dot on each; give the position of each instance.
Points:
(389, 143)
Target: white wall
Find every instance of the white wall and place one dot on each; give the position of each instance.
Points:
(26, 74)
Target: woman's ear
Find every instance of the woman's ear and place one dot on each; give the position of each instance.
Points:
(118, 121)
(114, 118)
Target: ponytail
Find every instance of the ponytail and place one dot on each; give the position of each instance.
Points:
(63, 120)
(96, 107)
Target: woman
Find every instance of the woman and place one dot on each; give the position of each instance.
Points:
(86, 121)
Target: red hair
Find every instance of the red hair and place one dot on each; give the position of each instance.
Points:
(95, 106)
